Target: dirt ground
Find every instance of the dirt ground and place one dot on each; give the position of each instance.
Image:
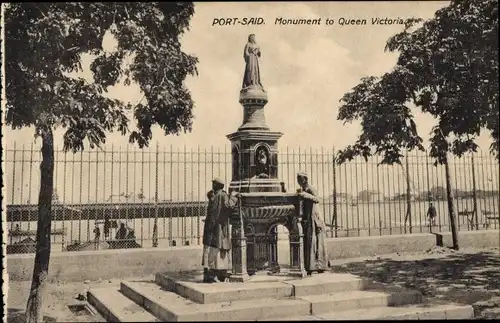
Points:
(60, 296)
(468, 276)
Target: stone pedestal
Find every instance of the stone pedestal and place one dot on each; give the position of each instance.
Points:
(263, 205)
(254, 147)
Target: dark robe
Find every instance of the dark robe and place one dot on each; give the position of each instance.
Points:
(216, 230)
(315, 251)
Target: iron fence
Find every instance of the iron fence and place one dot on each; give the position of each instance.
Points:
(131, 198)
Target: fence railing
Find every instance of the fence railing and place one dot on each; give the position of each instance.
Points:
(131, 198)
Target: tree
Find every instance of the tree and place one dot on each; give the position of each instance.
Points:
(45, 43)
(447, 67)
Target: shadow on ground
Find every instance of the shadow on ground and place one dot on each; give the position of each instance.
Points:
(472, 279)
(16, 315)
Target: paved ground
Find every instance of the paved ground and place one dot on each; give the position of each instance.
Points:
(469, 276)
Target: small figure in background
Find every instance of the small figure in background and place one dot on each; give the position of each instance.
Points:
(107, 227)
(121, 234)
(431, 214)
(97, 236)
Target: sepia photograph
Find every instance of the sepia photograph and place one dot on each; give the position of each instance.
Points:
(250, 161)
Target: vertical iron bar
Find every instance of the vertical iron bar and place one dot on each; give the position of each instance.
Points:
(96, 216)
(379, 197)
(334, 170)
(155, 224)
(322, 176)
(164, 220)
(22, 185)
(127, 207)
(287, 167)
(80, 199)
(179, 219)
(191, 216)
(400, 195)
(72, 212)
(88, 195)
(30, 183)
(13, 186)
(294, 168)
(327, 192)
(56, 177)
(416, 199)
(390, 202)
(142, 196)
(170, 222)
(357, 195)
(474, 191)
(369, 206)
(198, 218)
(417, 164)
(103, 210)
(458, 203)
(429, 194)
(111, 194)
(347, 202)
(184, 216)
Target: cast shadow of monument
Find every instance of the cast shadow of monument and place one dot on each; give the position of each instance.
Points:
(458, 278)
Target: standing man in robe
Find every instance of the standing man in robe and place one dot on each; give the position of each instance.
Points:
(315, 251)
(216, 233)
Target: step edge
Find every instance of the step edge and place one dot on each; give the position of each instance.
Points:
(128, 287)
(409, 310)
(110, 314)
(187, 310)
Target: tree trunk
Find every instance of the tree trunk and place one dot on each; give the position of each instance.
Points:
(408, 195)
(34, 308)
(451, 209)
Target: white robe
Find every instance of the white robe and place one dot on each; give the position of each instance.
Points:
(214, 258)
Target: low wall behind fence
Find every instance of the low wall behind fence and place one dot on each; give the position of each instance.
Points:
(119, 264)
(159, 194)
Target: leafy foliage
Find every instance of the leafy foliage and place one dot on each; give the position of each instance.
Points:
(46, 41)
(447, 67)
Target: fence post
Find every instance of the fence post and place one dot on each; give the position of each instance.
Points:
(474, 193)
(155, 226)
(334, 218)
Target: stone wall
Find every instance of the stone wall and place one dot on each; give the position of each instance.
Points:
(125, 263)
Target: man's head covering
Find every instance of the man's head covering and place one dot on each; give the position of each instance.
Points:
(302, 174)
(217, 180)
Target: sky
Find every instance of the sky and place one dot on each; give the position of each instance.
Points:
(305, 70)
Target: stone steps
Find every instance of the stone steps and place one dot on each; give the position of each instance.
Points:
(410, 312)
(345, 301)
(116, 307)
(168, 306)
(258, 287)
(433, 312)
(329, 296)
